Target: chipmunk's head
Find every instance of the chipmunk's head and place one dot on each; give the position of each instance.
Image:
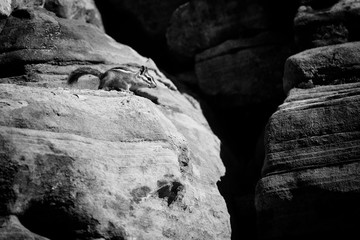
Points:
(147, 78)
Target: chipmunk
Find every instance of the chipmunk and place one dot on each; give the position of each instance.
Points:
(126, 77)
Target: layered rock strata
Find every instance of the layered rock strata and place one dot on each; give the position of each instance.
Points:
(310, 177)
(85, 164)
(321, 23)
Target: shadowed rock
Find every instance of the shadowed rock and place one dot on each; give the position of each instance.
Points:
(327, 65)
(321, 23)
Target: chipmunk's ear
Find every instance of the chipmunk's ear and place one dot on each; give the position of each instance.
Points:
(142, 69)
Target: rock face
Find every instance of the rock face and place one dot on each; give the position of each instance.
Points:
(97, 164)
(50, 47)
(327, 65)
(5, 7)
(85, 164)
(321, 23)
(237, 50)
(265, 53)
(309, 185)
(153, 15)
(202, 24)
(82, 10)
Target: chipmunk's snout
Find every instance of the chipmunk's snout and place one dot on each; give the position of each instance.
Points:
(150, 82)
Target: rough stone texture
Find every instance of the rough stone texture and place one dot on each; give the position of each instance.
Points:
(27, 3)
(320, 23)
(153, 15)
(327, 65)
(198, 25)
(224, 69)
(96, 164)
(5, 7)
(202, 24)
(50, 47)
(83, 10)
(11, 229)
(84, 164)
(310, 180)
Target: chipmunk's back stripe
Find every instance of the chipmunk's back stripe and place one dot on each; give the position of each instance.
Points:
(123, 70)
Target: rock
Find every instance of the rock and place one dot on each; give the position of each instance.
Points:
(224, 69)
(5, 7)
(309, 186)
(51, 47)
(109, 165)
(198, 25)
(18, 4)
(203, 24)
(12, 229)
(320, 23)
(335, 64)
(153, 15)
(83, 10)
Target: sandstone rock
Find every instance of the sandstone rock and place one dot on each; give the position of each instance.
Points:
(320, 23)
(310, 179)
(5, 7)
(153, 15)
(27, 3)
(249, 71)
(51, 47)
(198, 25)
(111, 165)
(84, 10)
(327, 65)
(202, 24)
(12, 229)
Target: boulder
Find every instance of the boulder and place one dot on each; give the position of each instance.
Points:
(153, 15)
(82, 10)
(309, 186)
(5, 8)
(12, 229)
(202, 24)
(247, 71)
(84, 164)
(50, 47)
(335, 64)
(320, 23)
(93, 164)
(198, 25)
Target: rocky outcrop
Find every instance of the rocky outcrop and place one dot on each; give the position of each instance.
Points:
(85, 164)
(310, 177)
(327, 65)
(233, 80)
(309, 185)
(82, 10)
(50, 47)
(153, 15)
(202, 24)
(198, 25)
(11, 228)
(5, 7)
(321, 23)
(90, 164)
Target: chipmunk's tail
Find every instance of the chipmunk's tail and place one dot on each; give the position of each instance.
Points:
(76, 74)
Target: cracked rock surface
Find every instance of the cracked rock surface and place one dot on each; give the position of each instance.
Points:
(90, 164)
(79, 163)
